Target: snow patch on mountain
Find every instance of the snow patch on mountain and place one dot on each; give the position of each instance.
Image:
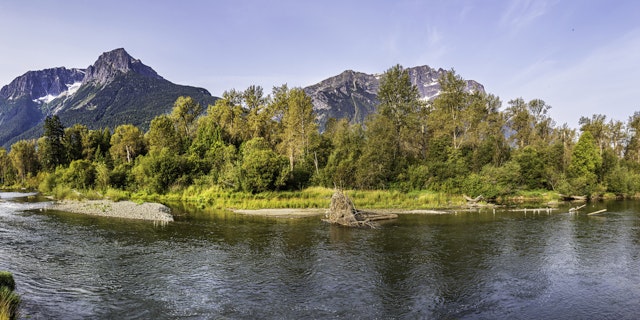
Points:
(71, 89)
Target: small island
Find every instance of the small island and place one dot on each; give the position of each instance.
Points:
(120, 209)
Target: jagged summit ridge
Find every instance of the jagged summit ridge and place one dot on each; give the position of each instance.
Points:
(115, 90)
(38, 85)
(354, 95)
(110, 64)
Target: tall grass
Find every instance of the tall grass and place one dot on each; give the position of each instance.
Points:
(9, 304)
(314, 197)
(9, 300)
(215, 197)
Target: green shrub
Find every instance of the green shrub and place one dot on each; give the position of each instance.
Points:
(6, 280)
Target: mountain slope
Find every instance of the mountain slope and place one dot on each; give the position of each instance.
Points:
(21, 101)
(116, 89)
(353, 95)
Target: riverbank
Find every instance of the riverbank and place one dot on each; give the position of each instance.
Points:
(308, 202)
(303, 213)
(119, 209)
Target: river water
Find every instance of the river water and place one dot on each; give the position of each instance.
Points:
(220, 265)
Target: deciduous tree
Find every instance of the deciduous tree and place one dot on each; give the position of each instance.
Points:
(298, 124)
(24, 158)
(127, 142)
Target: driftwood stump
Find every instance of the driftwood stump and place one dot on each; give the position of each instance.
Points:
(343, 212)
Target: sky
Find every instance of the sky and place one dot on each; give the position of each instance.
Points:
(582, 57)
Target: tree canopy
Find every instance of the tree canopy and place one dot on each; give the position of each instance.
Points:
(463, 141)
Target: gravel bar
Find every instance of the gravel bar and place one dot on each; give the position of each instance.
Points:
(120, 209)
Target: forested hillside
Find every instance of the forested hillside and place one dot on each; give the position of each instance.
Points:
(461, 142)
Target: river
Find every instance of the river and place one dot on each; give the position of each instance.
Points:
(220, 265)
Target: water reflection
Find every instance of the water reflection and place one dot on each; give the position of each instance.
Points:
(216, 264)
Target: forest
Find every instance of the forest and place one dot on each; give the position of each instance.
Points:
(251, 142)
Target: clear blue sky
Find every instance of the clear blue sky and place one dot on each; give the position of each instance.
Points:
(581, 56)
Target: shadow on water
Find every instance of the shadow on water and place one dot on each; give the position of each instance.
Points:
(218, 264)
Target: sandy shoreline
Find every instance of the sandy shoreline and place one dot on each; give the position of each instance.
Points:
(120, 209)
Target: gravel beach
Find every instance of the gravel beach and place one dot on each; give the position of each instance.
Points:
(120, 209)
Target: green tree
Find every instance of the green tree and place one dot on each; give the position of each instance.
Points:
(127, 142)
(24, 158)
(259, 115)
(597, 126)
(185, 112)
(529, 123)
(209, 135)
(53, 152)
(585, 163)
(159, 171)
(228, 114)
(632, 150)
(81, 174)
(451, 109)
(73, 141)
(163, 134)
(543, 125)
(96, 145)
(298, 124)
(262, 169)
(617, 136)
(342, 163)
(532, 168)
(395, 134)
(102, 176)
(400, 105)
(6, 168)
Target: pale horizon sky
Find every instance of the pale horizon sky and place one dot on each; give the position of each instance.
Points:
(580, 57)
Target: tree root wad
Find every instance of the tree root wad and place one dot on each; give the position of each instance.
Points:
(343, 212)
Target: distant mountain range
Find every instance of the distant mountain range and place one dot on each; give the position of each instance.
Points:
(119, 89)
(116, 89)
(353, 95)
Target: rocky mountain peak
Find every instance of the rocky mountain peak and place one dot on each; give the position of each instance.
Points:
(42, 84)
(354, 95)
(111, 64)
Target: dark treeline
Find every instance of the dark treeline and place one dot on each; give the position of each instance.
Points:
(462, 142)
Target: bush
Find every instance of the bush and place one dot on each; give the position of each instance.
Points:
(47, 182)
(80, 174)
(6, 280)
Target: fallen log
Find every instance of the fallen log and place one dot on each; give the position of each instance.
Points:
(573, 198)
(534, 210)
(473, 200)
(597, 212)
(342, 211)
(572, 210)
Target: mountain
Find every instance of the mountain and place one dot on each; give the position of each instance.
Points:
(353, 95)
(116, 89)
(22, 99)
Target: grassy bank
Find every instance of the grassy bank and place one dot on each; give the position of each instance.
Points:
(314, 197)
(9, 300)
(318, 197)
(321, 198)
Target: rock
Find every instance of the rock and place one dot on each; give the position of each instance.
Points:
(40, 84)
(113, 63)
